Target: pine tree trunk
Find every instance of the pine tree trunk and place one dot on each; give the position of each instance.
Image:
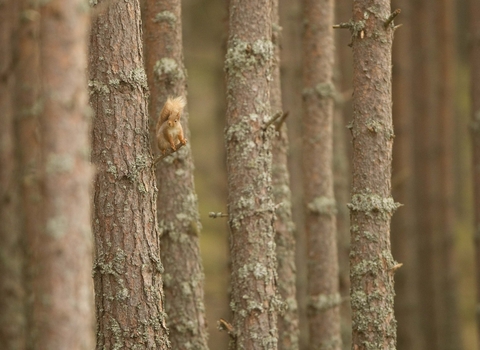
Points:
(320, 206)
(27, 85)
(446, 29)
(371, 264)
(61, 279)
(284, 227)
(404, 240)
(127, 268)
(291, 76)
(248, 66)
(177, 201)
(474, 9)
(342, 165)
(12, 315)
(425, 133)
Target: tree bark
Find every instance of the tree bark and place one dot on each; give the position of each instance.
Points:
(446, 29)
(474, 10)
(61, 279)
(371, 263)
(426, 179)
(288, 330)
(127, 267)
(320, 207)
(342, 164)
(27, 89)
(177, 214)
(12, 316)
(404, 239)
(248, 66)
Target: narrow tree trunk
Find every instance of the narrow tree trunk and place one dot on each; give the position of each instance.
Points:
(474, 9)
(177, 201)
(27, 86)
(291, 76)
(446, 29)
(425, 133)
(127, 268)
(284, 227)
(320, 206)
(371, 264)
(63, 299)
(404, 239)
(342, 165)
(12, 316)
(248, 66)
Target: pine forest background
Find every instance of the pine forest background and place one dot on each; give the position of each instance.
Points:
(433, 234)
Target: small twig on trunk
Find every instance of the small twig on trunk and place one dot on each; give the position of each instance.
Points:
(279, 124)
(214, 215)
(391, 17)
(271, 121)
(169, 151)
(225, 326)
(397, 26)
(344, 25)
(396, 267)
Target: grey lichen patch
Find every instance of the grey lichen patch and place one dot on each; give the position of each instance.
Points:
(322, 90)
(376, 126)
(166, 16)
(169, 68)
(372, 267)
(259, 271)
(98, 87)
(59, 163)
(93, 2)
(56, 227)
(475, 124)
(372, 203)
(138, 76)
(242, 55)
(323, 302)
(323, 206)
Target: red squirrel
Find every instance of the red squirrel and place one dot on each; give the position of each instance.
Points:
(169, 129)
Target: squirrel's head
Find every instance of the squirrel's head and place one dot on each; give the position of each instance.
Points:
(173, 120)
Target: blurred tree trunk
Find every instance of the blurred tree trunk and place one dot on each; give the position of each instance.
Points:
(27, 85)
(474, 9)
(61, 277)
(127, 268)
(371, 264)
(446, 29)
(404, 241)
(12, 316)
(291, 77)
(341, 163)
(248, 66)
(320, 207)
(288, 330)
(425, 133)
(177, 209)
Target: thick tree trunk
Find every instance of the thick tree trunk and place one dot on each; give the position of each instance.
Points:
(248, 66)
(127, 268)
(446, 29)
(320, 206)
(371, 262)
(474, 9)
(404, 239)
(284, 227)
(61, 279)
(12, 316)
(177, 201)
